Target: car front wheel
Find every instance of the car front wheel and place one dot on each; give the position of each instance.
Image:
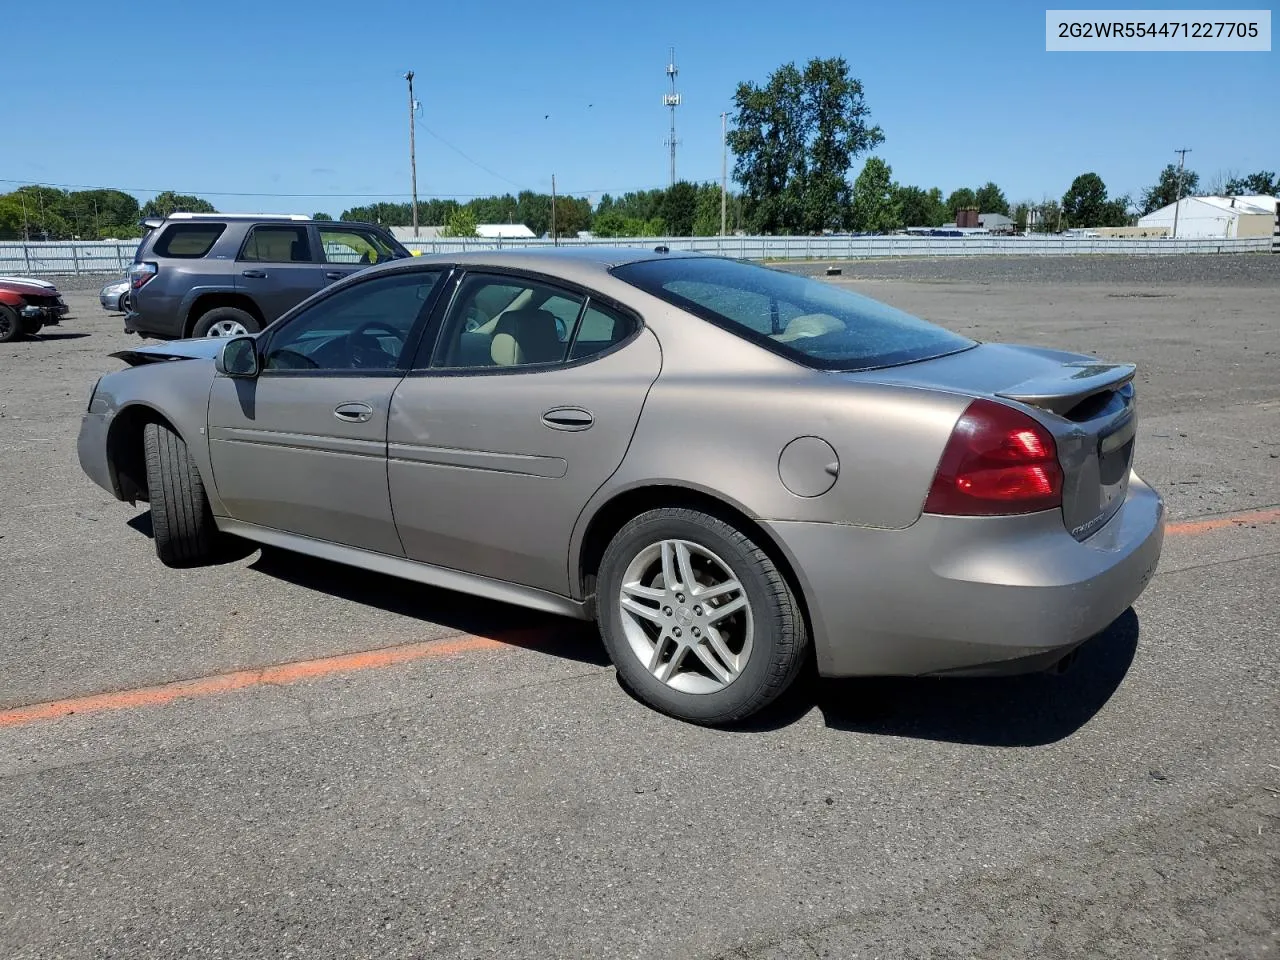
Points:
(10, 324)
(181, 519)
(698, 620)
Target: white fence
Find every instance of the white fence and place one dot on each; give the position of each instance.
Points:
(110, 257)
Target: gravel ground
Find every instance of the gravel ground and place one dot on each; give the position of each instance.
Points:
(512, 801)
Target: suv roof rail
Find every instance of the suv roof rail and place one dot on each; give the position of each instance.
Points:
(183, 215)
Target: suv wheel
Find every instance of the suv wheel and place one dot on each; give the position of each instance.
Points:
(698, 620)
(226, 322)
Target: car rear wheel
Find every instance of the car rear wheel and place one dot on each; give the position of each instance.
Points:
(698, 620)
(181, 520)
(10, 324)
(226, 322)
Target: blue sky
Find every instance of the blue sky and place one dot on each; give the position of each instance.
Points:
(283, 98)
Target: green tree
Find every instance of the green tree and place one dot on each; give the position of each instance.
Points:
(573, 215)
(1166, 189)
(794, 140)
(991, 199)
(1264, 183)
(168, 202)
(461, 223)
(920, 208)
(1085, 202)
(961, 199)
(321, 216)
(875, 201)
(679, 207)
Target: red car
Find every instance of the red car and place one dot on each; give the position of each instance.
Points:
(26, 306)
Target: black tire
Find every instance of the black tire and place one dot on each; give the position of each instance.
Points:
(181, 520)
(10, 324)
(223, 314)
(781, 638)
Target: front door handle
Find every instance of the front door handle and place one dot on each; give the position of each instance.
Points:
(353, 412)
(255, 274)
(334, 275)
(568, 418)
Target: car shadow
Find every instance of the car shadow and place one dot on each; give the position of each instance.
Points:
(62, 336)
(1020, 711)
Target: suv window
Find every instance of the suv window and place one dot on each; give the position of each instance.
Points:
(364, 327)
(276, 244)
(352, 245)
(507, 322)
(188, 240)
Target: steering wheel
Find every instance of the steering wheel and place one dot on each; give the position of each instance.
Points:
(366, 351)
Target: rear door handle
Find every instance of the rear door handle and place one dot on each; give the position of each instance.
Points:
(255, 274)
(353, 412)
(334, 275)
(568, 418)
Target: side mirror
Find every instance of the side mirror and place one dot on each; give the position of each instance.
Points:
(238, 358)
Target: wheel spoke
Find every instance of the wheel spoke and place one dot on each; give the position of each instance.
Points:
(669, 577)
(717, 590)
(733, 606)
(638, 589)
(687, 580)
(664, 671)
(644, 611)
(715, 658)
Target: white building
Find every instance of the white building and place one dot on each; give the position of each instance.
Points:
(1211, 218)
(487, 231)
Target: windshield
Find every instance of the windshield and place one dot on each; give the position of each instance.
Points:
(814, 323)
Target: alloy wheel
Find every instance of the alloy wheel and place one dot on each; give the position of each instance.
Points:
(686, 616)
(227, 328)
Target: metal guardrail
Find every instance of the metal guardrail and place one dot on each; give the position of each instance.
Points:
(110, 257)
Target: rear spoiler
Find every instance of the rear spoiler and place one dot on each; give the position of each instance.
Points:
(1070, 384)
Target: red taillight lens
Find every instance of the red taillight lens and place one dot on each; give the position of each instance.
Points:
(998, 461)
(140, 273)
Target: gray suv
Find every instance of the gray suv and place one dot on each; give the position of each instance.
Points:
(219, 275)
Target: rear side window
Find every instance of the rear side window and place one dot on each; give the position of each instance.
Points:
(277, 244)
(811, 322)
(188, 240)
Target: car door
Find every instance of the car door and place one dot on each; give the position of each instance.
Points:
(499, 438)
(277, 268)
(302, 448)
(348, 249)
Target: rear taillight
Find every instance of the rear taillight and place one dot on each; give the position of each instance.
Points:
(998, 461)
(140, 273)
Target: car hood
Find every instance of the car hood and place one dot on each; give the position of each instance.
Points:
(25, 288)
(205, 348)
(28, 282)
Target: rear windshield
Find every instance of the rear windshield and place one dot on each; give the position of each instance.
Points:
(191, 240)
(812, 322)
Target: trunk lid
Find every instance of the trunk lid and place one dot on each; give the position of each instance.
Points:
(1087, 404)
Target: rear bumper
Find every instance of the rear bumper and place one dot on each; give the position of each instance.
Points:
(976, 595)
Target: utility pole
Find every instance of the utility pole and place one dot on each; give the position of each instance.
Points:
(1177, 203)
(413, 159)
(724, 167)
(555, 237)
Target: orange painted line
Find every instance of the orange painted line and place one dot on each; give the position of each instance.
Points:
(1191, 527)
(280, 674)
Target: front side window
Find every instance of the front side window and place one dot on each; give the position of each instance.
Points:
(352, 245)
(812, 322)
(364, 327)
(277, 244)
(188, 240)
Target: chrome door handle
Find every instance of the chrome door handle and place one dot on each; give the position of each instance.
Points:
(568, 418)
(353, 412)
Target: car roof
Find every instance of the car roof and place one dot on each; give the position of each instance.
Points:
(592, 258)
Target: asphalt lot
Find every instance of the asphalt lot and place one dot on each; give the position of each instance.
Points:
(483, 787)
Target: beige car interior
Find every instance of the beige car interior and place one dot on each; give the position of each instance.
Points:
(525, 336)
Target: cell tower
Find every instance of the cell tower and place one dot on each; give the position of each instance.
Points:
(672, 100)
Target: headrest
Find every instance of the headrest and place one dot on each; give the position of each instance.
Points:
(526, 336)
